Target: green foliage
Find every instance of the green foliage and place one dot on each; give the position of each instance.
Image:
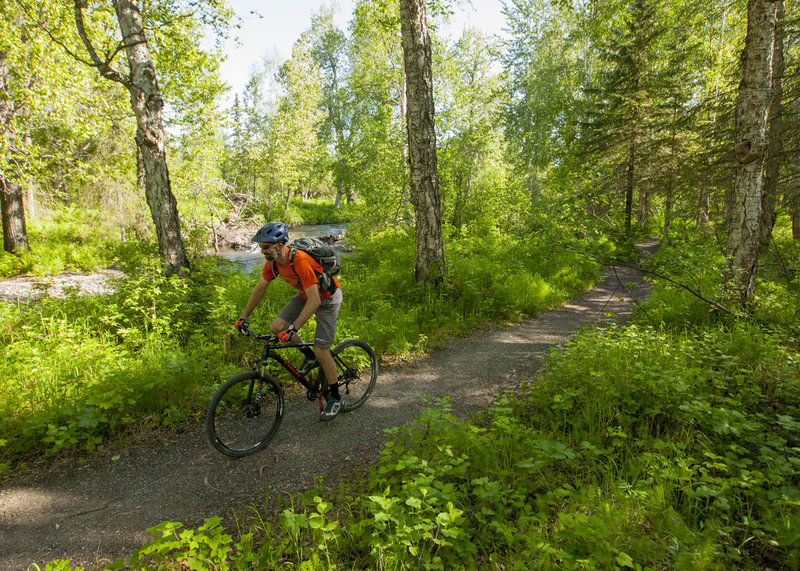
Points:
(646, 447)
(207, 547)
(314, 211)
(70, 239)
(695, 262)
(491, 277)
(79, 369)
(639, 448)
(680, 452)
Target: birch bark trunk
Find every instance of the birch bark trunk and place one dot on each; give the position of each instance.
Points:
(422, 160)
(753, 104)
(147, 105)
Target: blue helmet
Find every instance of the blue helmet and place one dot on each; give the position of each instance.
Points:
(272, 232)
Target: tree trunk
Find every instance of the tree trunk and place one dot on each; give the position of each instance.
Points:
(15, 234)
(750, 143)
(769, 195)
(667, 214)
(457, 207)
(147, 105)
(671, 178)
(629, 172)
(794, 212)
(422, 160)
(793, 192)
(703, 203)
(338, 202)
(643, 215)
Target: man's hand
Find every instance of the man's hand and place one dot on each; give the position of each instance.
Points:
(242, 326)
(286, 336)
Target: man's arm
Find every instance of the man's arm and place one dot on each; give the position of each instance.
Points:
(312, 303)
(256, 297)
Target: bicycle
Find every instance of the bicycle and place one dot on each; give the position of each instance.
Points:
(246, 411)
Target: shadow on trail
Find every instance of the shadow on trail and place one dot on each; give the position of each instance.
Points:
(99, 512)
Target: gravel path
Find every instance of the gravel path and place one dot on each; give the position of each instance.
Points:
(100, 511)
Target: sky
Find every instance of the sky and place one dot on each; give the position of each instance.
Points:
(282, 21)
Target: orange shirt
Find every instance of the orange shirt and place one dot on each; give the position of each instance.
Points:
(305, 273)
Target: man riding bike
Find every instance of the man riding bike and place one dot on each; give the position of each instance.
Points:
(302, 273)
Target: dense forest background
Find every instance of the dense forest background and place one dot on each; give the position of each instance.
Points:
(621, 113)
(672, 443)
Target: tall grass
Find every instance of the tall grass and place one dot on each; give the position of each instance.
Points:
(69, 239)
(490, 277)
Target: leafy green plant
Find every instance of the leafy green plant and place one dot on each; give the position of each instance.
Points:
(70, 239)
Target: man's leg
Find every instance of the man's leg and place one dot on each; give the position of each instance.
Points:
(287, 315)
(327, 314)
(327, 363)
(278, 325)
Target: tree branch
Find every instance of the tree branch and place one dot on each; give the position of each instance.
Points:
(633, 297)
(637, 266)
(103, 67)
(711, 302)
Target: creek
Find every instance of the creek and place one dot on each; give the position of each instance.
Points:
(250, 256)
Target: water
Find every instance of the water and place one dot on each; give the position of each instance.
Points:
(251, 256)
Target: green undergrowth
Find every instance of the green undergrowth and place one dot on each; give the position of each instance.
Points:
(312, 211)
(495, 277)
(79, 370)
(85, 240)
(637, 449)
(71, 239)
(669, 444)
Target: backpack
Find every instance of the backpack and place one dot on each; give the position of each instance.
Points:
(325, 255)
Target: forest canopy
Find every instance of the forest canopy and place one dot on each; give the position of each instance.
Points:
(620, 113)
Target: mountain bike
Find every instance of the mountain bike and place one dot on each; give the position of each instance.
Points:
(246, 411)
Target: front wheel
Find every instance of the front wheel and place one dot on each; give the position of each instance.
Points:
(244, 414)
(357, 370)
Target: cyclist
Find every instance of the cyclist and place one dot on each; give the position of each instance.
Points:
(303, 275)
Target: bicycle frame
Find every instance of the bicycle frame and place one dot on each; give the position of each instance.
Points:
(270, 351)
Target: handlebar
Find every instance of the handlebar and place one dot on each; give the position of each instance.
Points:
(270, 338)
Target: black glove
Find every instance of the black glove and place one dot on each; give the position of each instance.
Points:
(242, 326)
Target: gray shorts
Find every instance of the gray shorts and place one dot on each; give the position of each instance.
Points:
(326, 315)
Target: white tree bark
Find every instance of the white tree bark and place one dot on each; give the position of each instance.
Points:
(422, 159)
(750, 143)
(147, 105)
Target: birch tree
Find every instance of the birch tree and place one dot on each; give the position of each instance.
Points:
(147, 104)
(424, 180)
(753, 105)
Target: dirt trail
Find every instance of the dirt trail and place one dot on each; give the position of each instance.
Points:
(99, 512)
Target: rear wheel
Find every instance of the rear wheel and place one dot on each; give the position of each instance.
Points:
(357, 370)
(244, 414)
